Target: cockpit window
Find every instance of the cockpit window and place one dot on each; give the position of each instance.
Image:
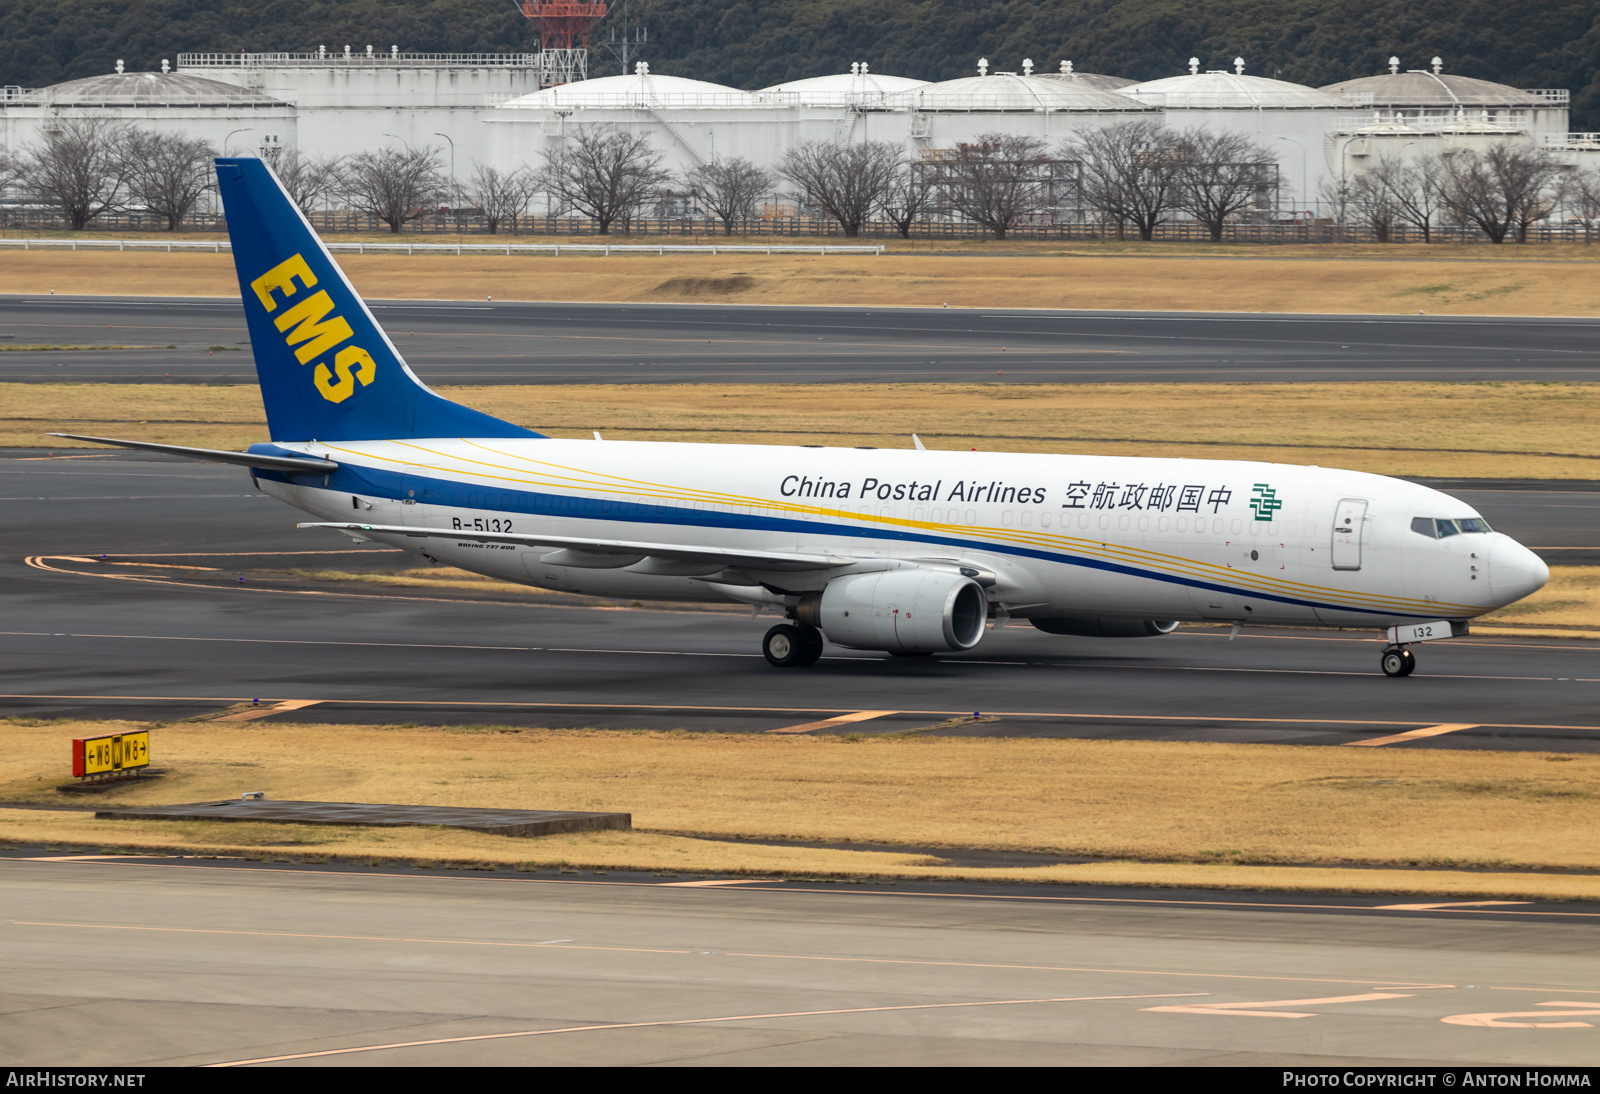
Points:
(1440, 528)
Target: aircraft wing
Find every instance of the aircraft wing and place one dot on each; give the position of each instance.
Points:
(612, 553)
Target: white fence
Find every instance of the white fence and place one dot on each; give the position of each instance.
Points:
(557, 249)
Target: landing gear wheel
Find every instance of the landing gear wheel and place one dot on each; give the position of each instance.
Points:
(786, 646)
(814, 643)
(1398, 661)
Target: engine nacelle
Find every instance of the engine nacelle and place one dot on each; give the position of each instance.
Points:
(904, 611)
(1090, 627)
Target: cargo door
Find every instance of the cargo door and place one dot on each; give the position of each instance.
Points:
(1348, 521)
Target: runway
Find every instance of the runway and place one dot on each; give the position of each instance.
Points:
(197, 606)
(156, 961)
(203, 341)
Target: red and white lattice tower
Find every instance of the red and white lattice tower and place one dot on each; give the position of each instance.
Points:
(563, 24)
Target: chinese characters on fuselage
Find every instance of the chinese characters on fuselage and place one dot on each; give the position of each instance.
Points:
(1157, 498)
(1160, 498)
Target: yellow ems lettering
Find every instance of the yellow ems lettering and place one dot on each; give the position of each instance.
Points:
(282, 276)
(351, 363)
(310, 327)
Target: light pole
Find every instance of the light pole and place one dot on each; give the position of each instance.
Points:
(230, 137)
(1305, 183)
(1344, 174)
(446, 136)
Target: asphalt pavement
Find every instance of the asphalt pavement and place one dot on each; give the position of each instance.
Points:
(133, 962)
(192, 340)
(141, 587)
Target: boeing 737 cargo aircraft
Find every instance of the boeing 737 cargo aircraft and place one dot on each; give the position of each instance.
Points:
(909, 552)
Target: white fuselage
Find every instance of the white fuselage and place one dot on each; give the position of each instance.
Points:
(1159, 539)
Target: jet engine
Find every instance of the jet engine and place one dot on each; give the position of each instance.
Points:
(901, 611)
(1090, 627)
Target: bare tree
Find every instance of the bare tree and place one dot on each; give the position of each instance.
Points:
(1131, 173)
(308, 180)
(1418, 191)
(729, 188)
(1372, 198)
(502, 195)
(168, 173)
(605, 173)
(1500, 190)
(997, 180)
(847, 180)
(1335, 194)
(396, 186)
(1221, 175)
(1583, 197)
(80, 169)
(911, 196)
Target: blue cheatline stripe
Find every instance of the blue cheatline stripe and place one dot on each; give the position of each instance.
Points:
(375, 482)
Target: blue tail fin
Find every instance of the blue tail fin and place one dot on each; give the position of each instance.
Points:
(327, 370)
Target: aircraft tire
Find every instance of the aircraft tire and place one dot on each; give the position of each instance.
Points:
(1398, 662)
(785, 646)
(814, 644)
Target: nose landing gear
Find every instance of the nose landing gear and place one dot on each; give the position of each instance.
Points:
(1398, 661)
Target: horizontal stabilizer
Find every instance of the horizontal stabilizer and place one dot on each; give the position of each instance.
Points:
(303, 465)
(630, 550)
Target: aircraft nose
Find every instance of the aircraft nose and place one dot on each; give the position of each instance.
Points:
(1514, 572)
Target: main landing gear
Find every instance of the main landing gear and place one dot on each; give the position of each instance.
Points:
(791, 645)
(1398, 661)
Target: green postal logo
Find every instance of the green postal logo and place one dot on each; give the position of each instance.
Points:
(1264, 501)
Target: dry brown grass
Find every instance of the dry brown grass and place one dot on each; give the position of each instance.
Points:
(1157, 803)
(1512, 282)
(1569, 605)
(1490, 430)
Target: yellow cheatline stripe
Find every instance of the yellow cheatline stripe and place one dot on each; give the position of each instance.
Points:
(1162, 563)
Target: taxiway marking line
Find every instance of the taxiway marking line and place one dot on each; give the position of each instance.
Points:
(841, 720)
(264, 712)
(1236, 1009)
(691, 1022)
(742, 710)
(766, 885)
(342, 937)
(1113, 972)
(1446, 904)
(734, 953)
(1412, 735)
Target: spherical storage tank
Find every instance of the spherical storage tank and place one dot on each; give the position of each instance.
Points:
(1291, 121)
(688, 122)
(1067, 74)
(1437, 96)
(859, 88)
(168, 102)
